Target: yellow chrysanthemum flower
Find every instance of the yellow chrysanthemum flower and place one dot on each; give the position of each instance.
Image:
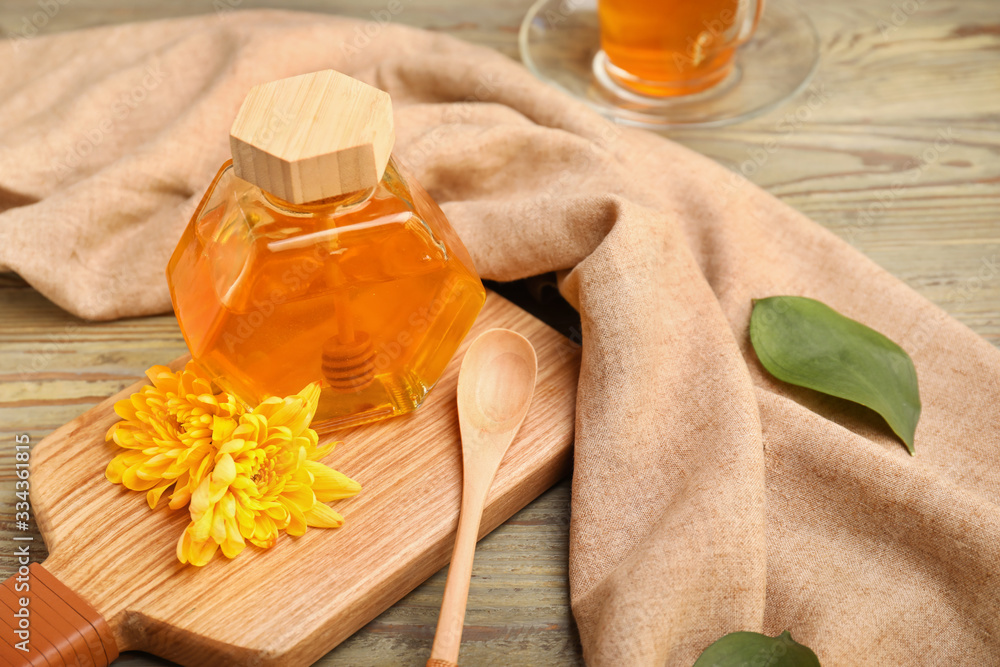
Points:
(246, 475)
(266, 478)
(168, 433)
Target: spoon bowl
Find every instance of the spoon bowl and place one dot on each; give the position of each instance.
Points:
(495, 385)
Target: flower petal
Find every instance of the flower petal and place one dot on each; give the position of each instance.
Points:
(234, 543)
(131, 480)
(319, 452)
(321, 516)
(153, 495)
(225, 470)
(265, 533)
(194, 551)
(330, 484)
(296, 518)
(299, 495)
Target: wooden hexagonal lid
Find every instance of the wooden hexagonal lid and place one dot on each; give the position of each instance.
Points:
(313, 136)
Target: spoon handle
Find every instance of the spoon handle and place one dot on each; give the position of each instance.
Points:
(448, 637)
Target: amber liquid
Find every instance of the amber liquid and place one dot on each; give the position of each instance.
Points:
(261, 286)
(670, 47)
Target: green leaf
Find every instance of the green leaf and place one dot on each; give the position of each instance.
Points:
(807, 343)
(743, 649)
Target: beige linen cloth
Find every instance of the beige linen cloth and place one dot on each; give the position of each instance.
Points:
(707, 496)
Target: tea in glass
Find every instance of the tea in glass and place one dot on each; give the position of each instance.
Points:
(674, 47)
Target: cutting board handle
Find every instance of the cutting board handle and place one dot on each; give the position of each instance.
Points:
(46, 623)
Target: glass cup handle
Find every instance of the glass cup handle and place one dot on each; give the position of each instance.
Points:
(755, 9)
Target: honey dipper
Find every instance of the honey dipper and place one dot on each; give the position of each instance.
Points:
(349, 356)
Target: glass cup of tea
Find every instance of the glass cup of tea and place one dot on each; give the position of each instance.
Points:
(663, 63)
(678, 48)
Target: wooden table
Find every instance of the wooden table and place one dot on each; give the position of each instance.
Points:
(895, 75)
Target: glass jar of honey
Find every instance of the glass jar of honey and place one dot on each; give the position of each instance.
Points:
(315, 257)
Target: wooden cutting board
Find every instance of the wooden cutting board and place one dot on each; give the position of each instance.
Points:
(290, 604)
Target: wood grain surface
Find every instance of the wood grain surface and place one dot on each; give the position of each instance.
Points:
(893, 75)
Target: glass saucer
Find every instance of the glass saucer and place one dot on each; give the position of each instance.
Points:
(560, 44)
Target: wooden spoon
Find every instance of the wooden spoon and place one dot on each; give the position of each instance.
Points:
(494, 390)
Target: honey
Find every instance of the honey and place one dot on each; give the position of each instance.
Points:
(369, 292)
